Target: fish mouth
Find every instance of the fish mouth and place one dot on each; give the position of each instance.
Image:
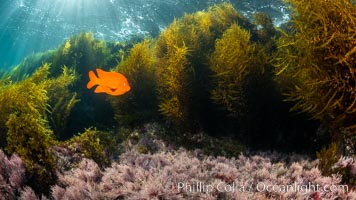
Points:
(112, 89)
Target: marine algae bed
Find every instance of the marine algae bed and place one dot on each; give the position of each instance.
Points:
(216, 81)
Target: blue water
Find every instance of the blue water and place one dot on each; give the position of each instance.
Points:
(30, 26)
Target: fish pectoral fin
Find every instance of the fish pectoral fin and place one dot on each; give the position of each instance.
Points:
(100, 89)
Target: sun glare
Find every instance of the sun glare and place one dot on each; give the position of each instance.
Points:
(30, 26)
(39, 25)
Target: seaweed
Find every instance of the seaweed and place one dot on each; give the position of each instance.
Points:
(61, 100)
(30, 64)
(28, 96)
(26, 107)
(266, 33)
(99, 146)
(23, 119)
(231, 62)
(174, 81)
(81, 52)
(315, 63)
(84, 53)
(183, 72)
(328, 157)
(140, 104)
(245, 92)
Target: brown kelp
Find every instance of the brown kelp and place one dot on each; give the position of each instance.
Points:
(100, 146)
(25, 107)
(315, 61)
(230, 63)
(140, 104)
(318, 56)
(61, 100)
(81, 52)
(182, 62)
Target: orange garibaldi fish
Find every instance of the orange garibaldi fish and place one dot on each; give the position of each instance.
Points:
(112, 83)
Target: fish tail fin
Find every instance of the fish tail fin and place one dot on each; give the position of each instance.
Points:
(93, 80)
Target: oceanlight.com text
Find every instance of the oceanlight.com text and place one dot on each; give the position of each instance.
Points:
(305, 188)
(200, 187)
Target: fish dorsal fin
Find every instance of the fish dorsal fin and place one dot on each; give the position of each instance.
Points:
(101, 73)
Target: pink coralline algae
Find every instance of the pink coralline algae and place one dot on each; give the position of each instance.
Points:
(182, 174)
(185, 175)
